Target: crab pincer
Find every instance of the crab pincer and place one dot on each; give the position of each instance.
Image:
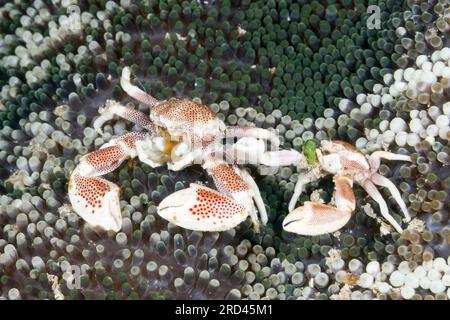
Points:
(95, 199)
(316, 218)
(204, 209)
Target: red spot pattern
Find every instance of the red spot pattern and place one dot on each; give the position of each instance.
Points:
(209, 205)
(106, 160)
(203, 141)
(227, 180)
(184, 112)
(353, 164)
(130, 138)
(138, 118)
(92, 190)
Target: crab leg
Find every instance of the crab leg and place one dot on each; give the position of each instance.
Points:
(281, 158)
(228, 181)
(255, 193)
(253, 151)
(375, 158)
(114, 108)
(385, 182)
(204, 209)
(258, 133)
(315, 218)
(95, 199)
(135, 92)
(373, 192)
(303, 179)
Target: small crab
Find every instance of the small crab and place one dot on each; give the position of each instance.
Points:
(348, 165)
(179, 133)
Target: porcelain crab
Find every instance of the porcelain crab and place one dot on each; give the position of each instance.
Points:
(178, 133)
(181, 133)
(348, 165)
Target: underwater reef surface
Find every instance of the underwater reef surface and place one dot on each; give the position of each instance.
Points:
(311, 69)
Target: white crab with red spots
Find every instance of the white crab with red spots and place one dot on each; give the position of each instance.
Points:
(178, 133)
(348, 165)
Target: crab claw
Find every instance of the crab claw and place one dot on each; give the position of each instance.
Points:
(202, 209)
(96, 200)
(314, 219)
